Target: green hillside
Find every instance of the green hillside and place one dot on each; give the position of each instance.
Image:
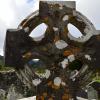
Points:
(2, 67)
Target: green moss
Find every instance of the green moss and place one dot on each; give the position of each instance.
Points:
(96, 77)
(97, 81)
(40, 70)
(3, 68)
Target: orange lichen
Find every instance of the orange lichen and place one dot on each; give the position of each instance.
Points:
(71, 51)
(50, 98)
(39, 98)
(65, 97)
(67, 53)
(75, 50)
(27, 55)
(49, 83)
(44, 94)
(55, 87)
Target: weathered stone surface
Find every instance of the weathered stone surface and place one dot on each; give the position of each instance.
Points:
(11, 88)
(73, 60)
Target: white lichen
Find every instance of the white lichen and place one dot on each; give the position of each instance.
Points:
(63, 83)
(26, 29)
(74, 74)
(60, 44)
(61, 7)
(47, 74)
(86, 30)
(29, 98)
(64, 63)
(65, 18)
(87, 57)
(55, 28)
(57, 81)
(71, 58)
(74, 13)
(36, 82)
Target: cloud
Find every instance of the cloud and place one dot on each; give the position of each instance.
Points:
(1, 52)
(90, 8)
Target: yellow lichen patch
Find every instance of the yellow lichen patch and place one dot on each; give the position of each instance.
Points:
(39, 98)
(27, 55)
(50, 98)
(67, 53)
(65, 32)
(65, 97)
(44, 94)
(46, 19)
(55, 87)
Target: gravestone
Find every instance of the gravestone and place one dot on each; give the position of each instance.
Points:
(54, 64)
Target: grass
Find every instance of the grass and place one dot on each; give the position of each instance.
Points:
(3, 68)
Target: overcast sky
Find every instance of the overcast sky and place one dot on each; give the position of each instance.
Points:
(12, 12)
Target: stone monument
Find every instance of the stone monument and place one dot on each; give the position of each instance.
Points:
(55, 64)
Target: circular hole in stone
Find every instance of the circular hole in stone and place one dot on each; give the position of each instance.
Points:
(36, 63)
(39, 68)
(74, 31)
(75, 65)
(38, 32)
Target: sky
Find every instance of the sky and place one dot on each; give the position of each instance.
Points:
(12, 12)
